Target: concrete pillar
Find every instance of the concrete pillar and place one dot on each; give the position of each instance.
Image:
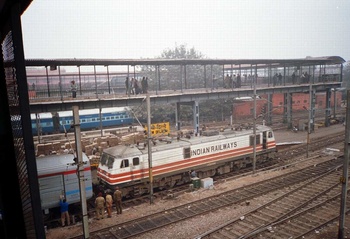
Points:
(177, 111)
(328, 108)
(269, 109)
(288, 109)
(195, 110)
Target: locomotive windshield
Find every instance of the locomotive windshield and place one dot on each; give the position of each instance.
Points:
(107, 159)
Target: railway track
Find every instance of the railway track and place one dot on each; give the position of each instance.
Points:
(273, 219)
(302, 223)
(285, 158)
(184, 212)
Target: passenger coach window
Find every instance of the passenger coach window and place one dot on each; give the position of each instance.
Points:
(270, 134)
(135, 161)
(124, 163)
(187, 153)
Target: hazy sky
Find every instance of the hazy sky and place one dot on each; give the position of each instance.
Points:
(223, 29)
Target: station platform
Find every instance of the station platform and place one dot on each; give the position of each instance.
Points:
(299, 137)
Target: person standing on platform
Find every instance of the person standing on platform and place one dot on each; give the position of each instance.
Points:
(293, 78)
(64, 211)
(274, 79)
(118, 200)
(280, 79)
(214, 83)
(109, 204)
(145, 90)
(100, 206)
(239, 81)
(73, 88)
(143, 86)
(127, 85)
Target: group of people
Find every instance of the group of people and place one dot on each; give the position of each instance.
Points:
(304, 78)
(232, 81)
(134, 86)
(102, 203)
(277, 79)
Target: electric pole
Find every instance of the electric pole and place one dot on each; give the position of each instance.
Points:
(344, 178)
(149, 141)
(80, 165)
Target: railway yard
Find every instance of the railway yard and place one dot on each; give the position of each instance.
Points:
(291, 196)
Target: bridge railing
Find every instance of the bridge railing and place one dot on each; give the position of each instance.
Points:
(55, 85)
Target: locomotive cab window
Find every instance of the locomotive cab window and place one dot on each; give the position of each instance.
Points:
(124, 163)
(104, 159)
(107, 160)
(187, 153)
(135, 161)
(110, 162)
(270, 134)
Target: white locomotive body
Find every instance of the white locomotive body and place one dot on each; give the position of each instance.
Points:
(58, 176)
(223, 152)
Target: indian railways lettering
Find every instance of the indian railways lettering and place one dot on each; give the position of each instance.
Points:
(214, 148)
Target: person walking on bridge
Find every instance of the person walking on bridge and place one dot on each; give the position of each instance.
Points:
(127, 85)
(73, 88)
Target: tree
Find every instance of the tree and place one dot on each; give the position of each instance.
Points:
(176, 77)
(346, 75)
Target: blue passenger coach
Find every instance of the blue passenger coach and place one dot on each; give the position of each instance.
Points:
(59, 122)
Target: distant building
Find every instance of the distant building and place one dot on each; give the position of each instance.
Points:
(299, 101)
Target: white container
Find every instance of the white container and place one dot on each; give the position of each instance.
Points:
(206, 182)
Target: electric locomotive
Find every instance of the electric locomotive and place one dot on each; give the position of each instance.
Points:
(210, 153)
